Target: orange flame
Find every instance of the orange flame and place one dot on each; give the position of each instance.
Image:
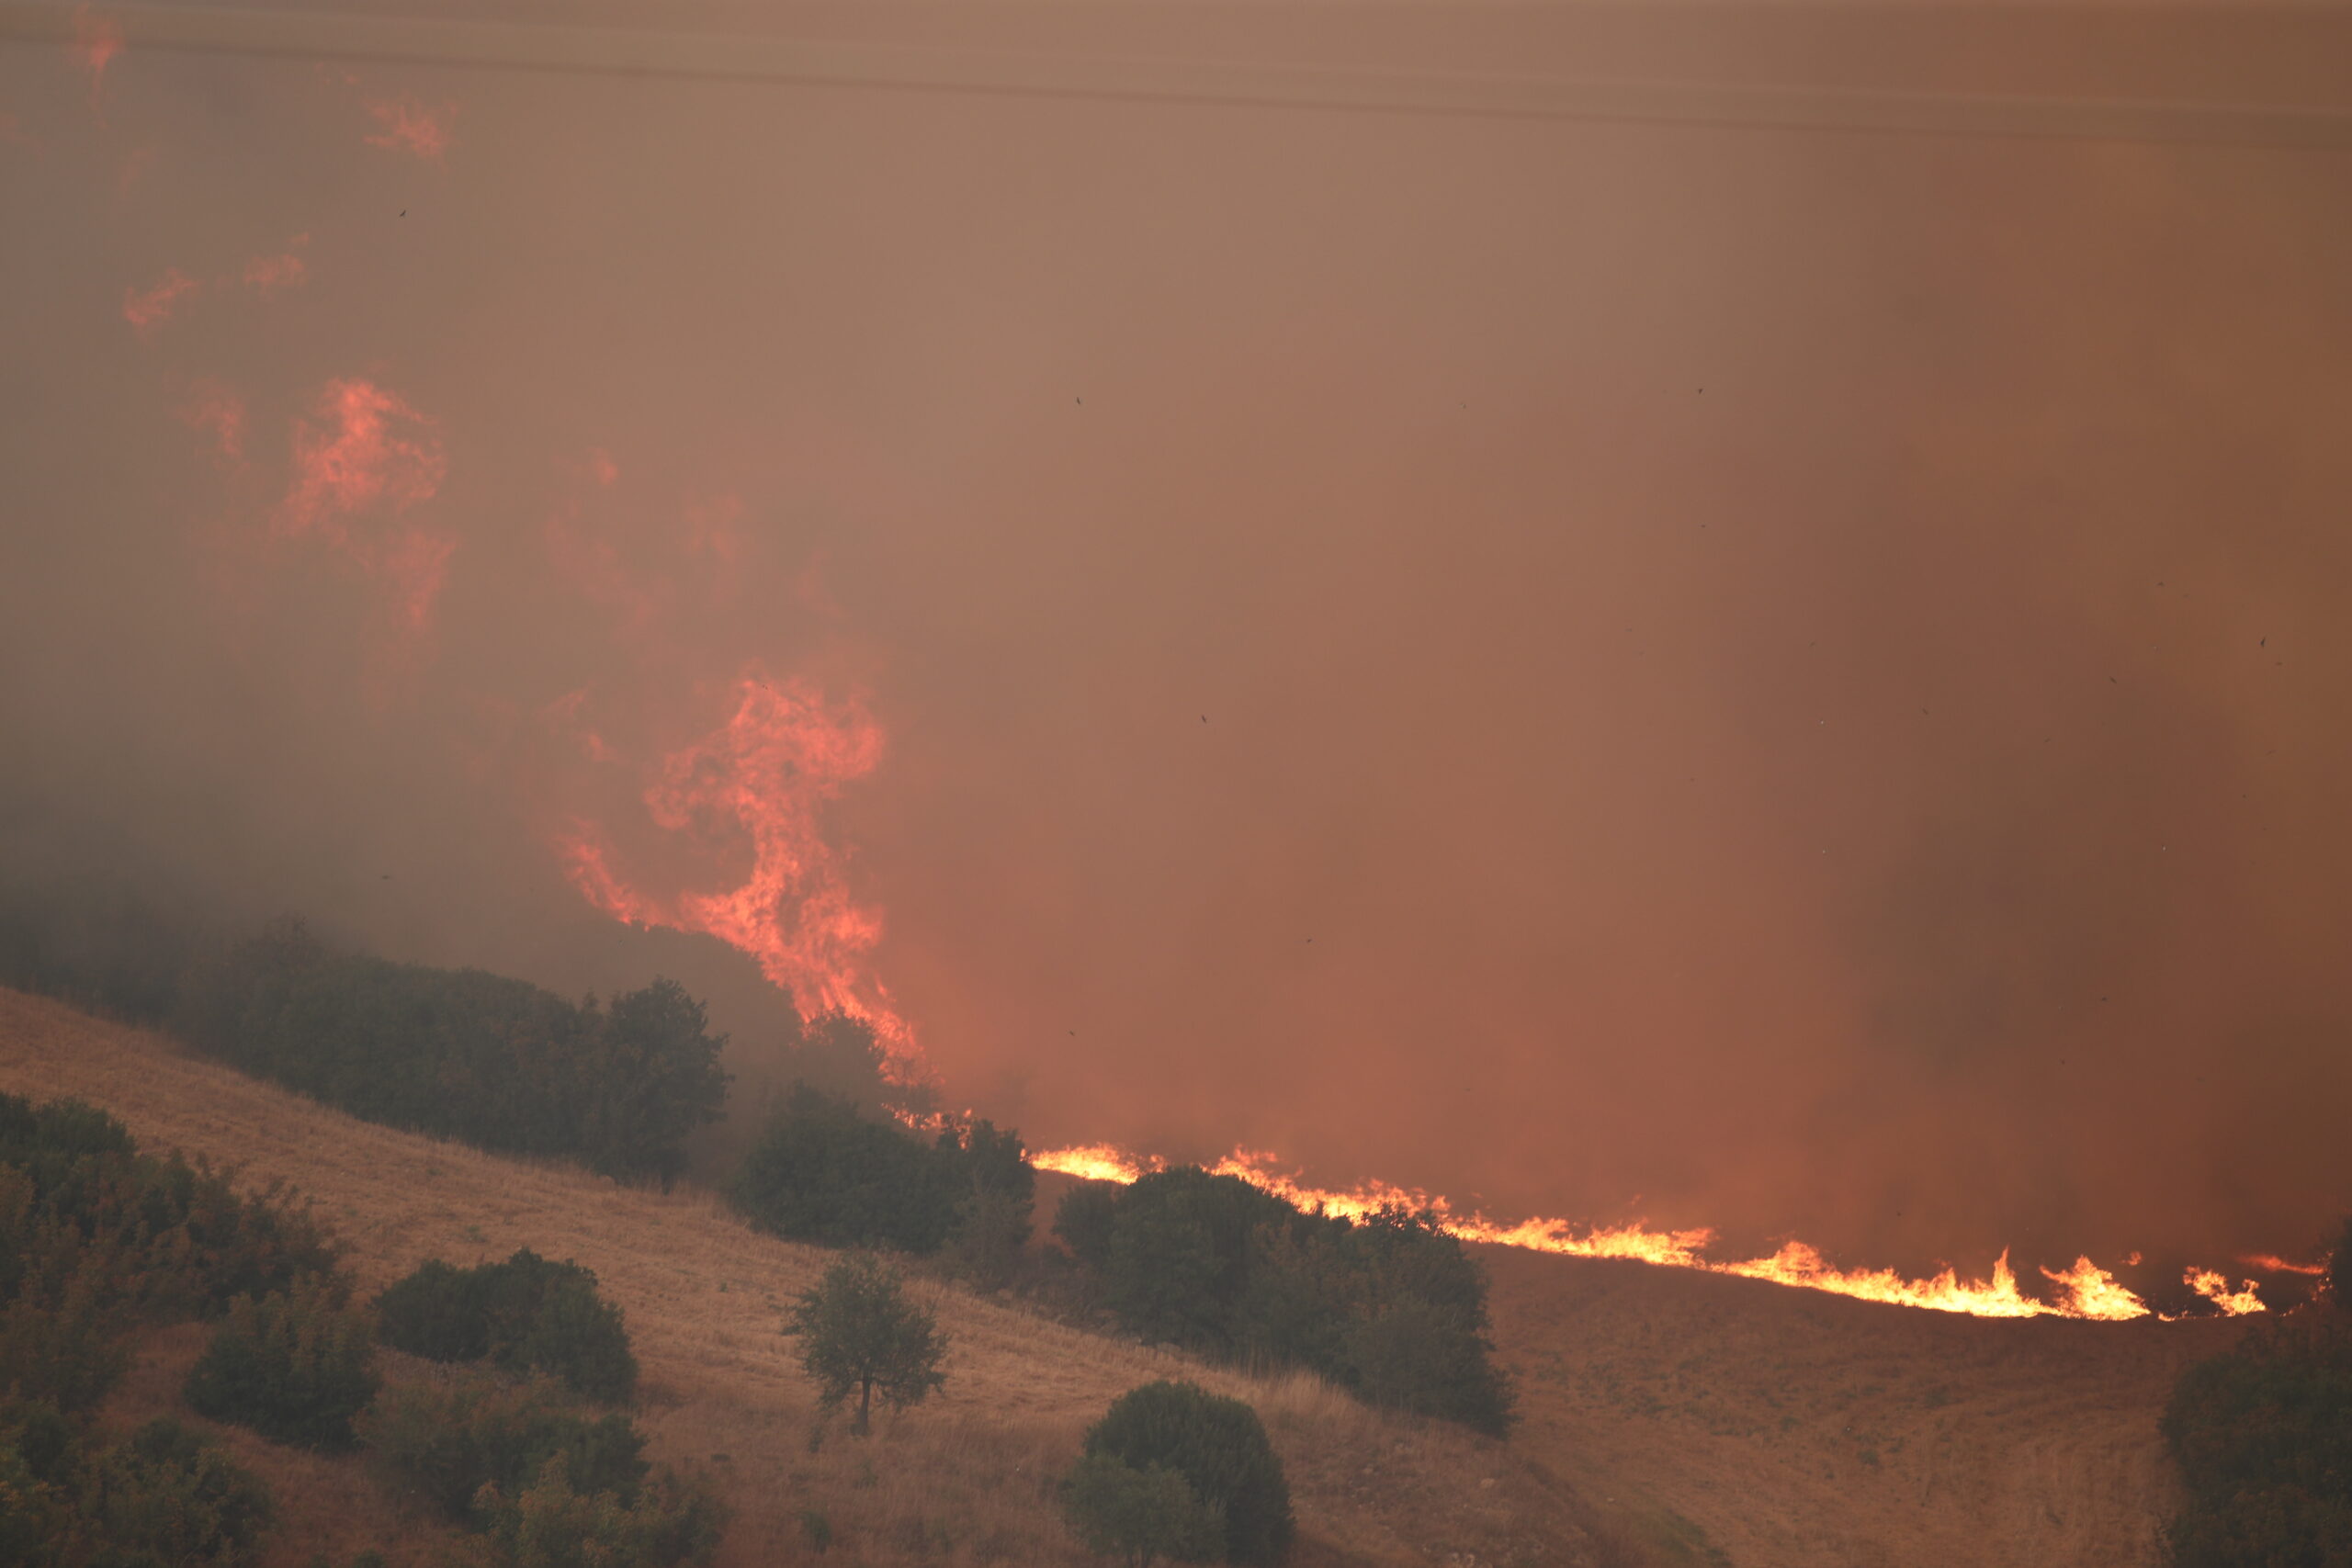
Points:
(272, 275)
(410, 125)
(2084, 1291)
(97, 40)
(766, 774)
(2268, 1264)
(143, 308)
(2214, 1288)
(215, 407)
(371, 452)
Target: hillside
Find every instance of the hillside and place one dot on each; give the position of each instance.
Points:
(964, 1479)
(1669, 1417)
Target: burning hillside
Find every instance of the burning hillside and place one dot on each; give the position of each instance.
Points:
(1789, 687)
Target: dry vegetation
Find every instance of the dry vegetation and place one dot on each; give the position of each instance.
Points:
(1744, 1423)
(964, 1479)
(1669, 1417)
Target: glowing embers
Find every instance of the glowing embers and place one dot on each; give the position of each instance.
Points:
(762, 781)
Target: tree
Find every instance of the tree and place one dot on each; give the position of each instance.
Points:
(1219, 1446)
(653, 1077)
(823, 1173)
(1141, 1516)
(859, 1334)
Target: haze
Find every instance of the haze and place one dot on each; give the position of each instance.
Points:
(1791, 682)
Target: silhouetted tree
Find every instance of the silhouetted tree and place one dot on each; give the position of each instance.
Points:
(860, 1335)
(653, 1077)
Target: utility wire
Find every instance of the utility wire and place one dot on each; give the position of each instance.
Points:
(633, 52)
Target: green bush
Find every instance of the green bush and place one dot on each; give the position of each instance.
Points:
(552, 1524)
(1220, 1447)
(1141, 1516)
(526, 1314)
(67, 1349)
(167, 1499)
(95, 1235)
(294, 1367)
(436, 1311)
(450, 1443)
(822, 1172)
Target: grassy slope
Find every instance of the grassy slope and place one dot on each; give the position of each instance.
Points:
(1677, 1417)
(1762, 1426)
(964, 1479)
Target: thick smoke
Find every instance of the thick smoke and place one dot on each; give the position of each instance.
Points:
(1792, 682)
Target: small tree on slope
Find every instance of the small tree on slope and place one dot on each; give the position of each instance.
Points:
(860, 1335)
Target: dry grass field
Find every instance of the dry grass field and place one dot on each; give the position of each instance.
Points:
(965, 1478)
(1670, 1417)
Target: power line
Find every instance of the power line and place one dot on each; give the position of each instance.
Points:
(645, 53)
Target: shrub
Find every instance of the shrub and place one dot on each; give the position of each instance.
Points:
(167, 1497)
(293, 1367)
(822, 1173)
(450, 1443)
(157, 1236)
(1410, 1355)
(67, 1350)
(859, 1334)
(552, 1524)
(527, 1314)
(1220, 1447)
(825, 1173)
(94, 1234)
(1141, 1516)
(1389, 1306)
(436, 1311)
(1084, 1220)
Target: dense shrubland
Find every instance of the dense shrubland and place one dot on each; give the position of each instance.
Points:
(2263, 1435)
(1389, 1306)
(99, 1242)
(544, 1479)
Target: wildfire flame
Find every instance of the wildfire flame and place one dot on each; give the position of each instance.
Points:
(2272, 1265)
(410, 125)
(370, 453)
(2084, 1291)
(2210, 1284)
(271, 275)
(143, 308)
(767, 775)
(97, 40)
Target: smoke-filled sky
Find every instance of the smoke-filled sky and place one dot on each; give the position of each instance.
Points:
(1786, 681)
